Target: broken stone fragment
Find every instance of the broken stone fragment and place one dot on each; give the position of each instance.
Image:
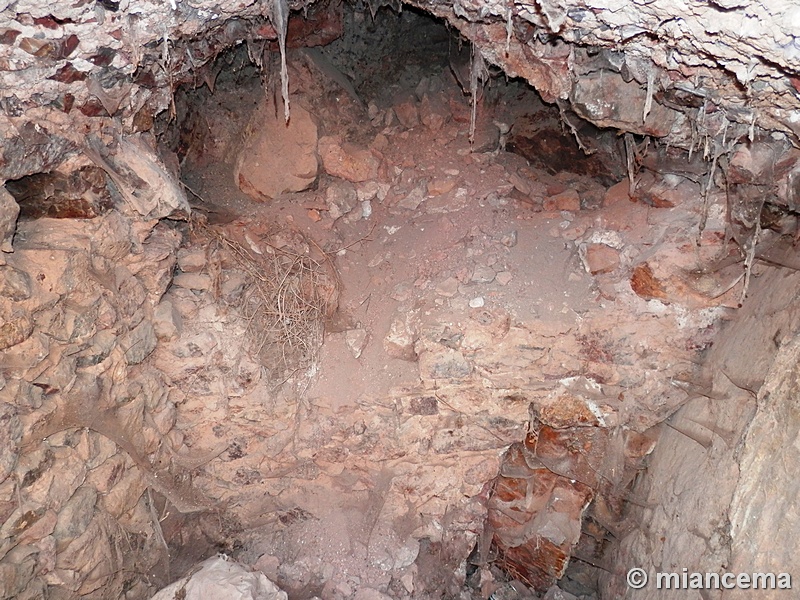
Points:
(139, 343)
(477, 302)
(14, 284)
(147, 188)
(399, 342)
(15, 330)
(486, 138)
(413, 199)
(368, 191)
(356, 340)
(193, 281)
(407, 112)
(483, 274)
(433, 112)
(10, 435)
(7, 36)
(520, 183)
(341, 198)
(440, 185)
(167, 322)
(536, 513)
(9, 211)
(751, 163)
(617, 193)
(443, 363)
(366, 593)
(589, 100)
(221, 577)
(191, 260)
(601, 259)
(347, 161)
(101, 346)
(448, 288)
(646, 285)
(277, 158)
(567, 200)
(504, 277)
(75, 516)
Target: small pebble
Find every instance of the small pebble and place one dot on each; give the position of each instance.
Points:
(477, 302)
(504, 278)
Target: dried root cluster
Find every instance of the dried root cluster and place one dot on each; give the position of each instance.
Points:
(283, 286)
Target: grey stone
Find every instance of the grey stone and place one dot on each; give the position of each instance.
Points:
(448, 288)
(14, 284)
(414, 198)
(356, 340)
(167, 322)
(191, 260)
(9, 211)
(139, 342)
(483, 274)
(76, 514)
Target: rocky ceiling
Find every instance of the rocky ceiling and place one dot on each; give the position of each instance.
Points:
(698, 74)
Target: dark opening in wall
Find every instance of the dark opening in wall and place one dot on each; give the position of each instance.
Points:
(387, 69)
(83, 194)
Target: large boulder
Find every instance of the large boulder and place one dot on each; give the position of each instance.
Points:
(275, 157)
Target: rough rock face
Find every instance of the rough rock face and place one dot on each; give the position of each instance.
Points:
(120, 59)
(113, 383)
(77, 300)
(718, 453)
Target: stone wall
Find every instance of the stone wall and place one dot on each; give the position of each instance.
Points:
(714, 497)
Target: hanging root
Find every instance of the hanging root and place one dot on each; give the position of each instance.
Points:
(750, 254)
(630, 159)
(648, 103)
(477, 73)
(565, 120)
(509, 24)
(279, 16)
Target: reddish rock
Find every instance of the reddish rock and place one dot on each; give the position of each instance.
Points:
(433, 112)
(318, 24)
(567, 410)
(539, 501)
(94, 108)
(440, 185)
(68, 74)
(617, 193)
(601, 258)
(751, 163)
(407, 112)
(347, 161)
(567, 200)
(277, 158)
(626, 111)
(80, 195)
(7, 36)
(645, 284)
